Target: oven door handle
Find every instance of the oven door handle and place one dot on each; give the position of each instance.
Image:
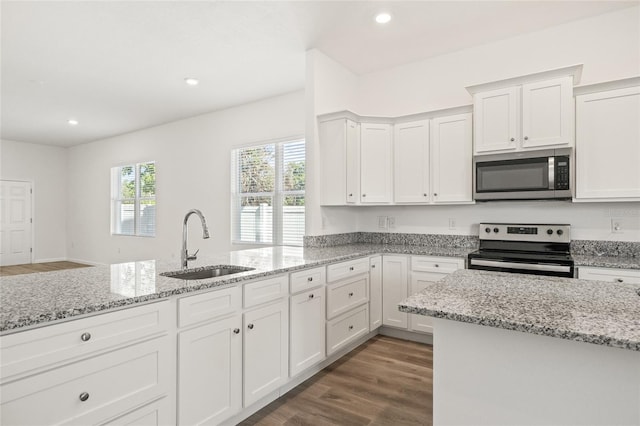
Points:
(516, 265)
(552, 173)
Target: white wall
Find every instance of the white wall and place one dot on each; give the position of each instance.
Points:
(44, 166)
(193, 171)
(609, 47)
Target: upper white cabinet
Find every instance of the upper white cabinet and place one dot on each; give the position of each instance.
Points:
(411, 162)
(339, 162)
(376, 175)
(608, 143)
(525, 113)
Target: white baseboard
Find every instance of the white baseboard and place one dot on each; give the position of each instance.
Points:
(406, 335)
(53, 259)
(86, 262)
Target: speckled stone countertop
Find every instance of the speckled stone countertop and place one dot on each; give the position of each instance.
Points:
(606, 261)
(35, 299)
(589, 311)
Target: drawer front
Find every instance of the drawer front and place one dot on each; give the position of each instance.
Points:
(110, 384)
(203, 307)
(346, 294)
(264, 291)
(631, 276)
(351, 268)
(154, 414)
(347, 328)
(49, 345)
(308, 279)
(445, 265)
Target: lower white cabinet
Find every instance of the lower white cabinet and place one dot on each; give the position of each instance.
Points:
(266, 350)
(631, 276)
(346, 328)
(394, 290)
(419, 281)
(154, 414)
(375, 292)
(210, 372)
(307, 345)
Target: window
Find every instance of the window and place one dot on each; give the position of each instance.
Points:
(267, 194)
(133, 199)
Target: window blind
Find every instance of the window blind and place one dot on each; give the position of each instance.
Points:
(133, 199)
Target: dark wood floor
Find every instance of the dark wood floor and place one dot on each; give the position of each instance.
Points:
(38, 267)
(386, 381)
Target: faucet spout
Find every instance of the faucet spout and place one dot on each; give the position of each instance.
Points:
(185, 256)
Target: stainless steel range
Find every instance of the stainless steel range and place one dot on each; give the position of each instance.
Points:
(525, 249)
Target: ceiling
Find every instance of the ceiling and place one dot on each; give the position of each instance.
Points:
(119, 66)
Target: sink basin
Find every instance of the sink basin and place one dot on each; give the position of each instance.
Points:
(206, 272)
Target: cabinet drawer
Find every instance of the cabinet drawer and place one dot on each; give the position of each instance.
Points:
(203, 307)
(110, 384)
(631, 276)
(264, 291)
(48, 345)
(346, 294)
(347, 328)
(347, 269)
(445, 265)
(308, 279)
(154, 414)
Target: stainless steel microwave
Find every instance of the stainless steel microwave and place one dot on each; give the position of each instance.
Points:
(535, 175)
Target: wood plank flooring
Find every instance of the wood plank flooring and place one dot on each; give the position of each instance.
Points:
(30, 268)
(385, 381)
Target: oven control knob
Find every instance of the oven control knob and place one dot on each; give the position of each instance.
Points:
(495, 230)
(487, 230)
(549, 231)
(559, 232)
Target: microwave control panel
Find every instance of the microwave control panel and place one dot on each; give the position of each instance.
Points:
(562, 172)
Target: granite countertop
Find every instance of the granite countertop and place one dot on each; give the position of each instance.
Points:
(597, 312)
(35, 299)
(620, 262)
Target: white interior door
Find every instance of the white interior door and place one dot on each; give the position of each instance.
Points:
(15, 222)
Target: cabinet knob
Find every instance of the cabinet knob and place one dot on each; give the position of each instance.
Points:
(373, 266)
(619, 280)
(311, 296)
(236, 330)
(435, 194)
(84, 396)
(513, 139)
(351, 268)
(526, 138)
(85, 337)
(364, 195)
(250, 326)
(424, 195)
(350, 195)
(351, 294)
(310, 279)
(350, 327)
(436, 265)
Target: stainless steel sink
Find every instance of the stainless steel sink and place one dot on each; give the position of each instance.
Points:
(206, 272)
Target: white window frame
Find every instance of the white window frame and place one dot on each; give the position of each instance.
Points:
(116, 200)
(277, 195)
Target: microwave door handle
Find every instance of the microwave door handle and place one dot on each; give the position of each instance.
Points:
(552, 173)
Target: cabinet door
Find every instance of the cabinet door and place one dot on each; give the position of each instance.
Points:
(333, 162)
(420, 281)
(451, 159)
(375, 293)
(496, 120)
(394, 290)
(411, 159)
(375, 163)
(307, 330)
(353, 163)
(266, 350)
(547, 113)
(608, 145)
(210, 372)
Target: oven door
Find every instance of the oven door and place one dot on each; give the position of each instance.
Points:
(510, 265)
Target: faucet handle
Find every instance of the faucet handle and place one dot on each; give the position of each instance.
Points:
(193, 256)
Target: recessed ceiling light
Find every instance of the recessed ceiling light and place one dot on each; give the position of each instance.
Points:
(72, 122)
(191, 81)
(383, 18)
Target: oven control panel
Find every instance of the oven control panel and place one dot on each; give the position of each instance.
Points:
(525, 232)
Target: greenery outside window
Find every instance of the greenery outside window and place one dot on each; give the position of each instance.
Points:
(268, 193)
(133, 199)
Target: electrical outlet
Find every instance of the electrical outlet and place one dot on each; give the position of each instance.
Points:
(382, 222)
(392, 222)
(616, 226)
(452, 223)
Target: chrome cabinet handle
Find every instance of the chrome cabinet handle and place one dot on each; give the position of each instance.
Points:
(350, 195)
(250, 326)
(351, 268)
(364, 195)
(436, 265)
(311, 296)
(236, 330)
(619, 280)
(84, 396)
(424, 195)
(526, 138)
(310, 279)
(350, 327)
(513, 139)
(85, 337)
(435, 194)
(351, 294)
(373, 266)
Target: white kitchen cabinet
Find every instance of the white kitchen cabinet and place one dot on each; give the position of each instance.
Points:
(411, 162)
(210, 372)
(346, 328)
(154, 414)
(339, 162)
(266, 350)
(608, 145)
(394, 290)
(532, 115)
(353, 163)
(376, 173)
(375, 292)
(344, 295)
(631, 276)
(451, 159)
(420, 281)
(307, 346)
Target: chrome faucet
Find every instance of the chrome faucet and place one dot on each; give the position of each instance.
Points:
(186, 257)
